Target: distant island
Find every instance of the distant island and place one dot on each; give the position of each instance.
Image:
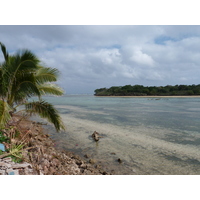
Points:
(140, 90)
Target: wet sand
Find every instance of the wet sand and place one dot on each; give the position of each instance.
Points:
(143, 150)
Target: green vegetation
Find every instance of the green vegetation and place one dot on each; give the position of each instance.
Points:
(15, 143)
(140, 90)
(3, 138)
(21, 77)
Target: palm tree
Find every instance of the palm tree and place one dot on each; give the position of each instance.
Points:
(22, 77)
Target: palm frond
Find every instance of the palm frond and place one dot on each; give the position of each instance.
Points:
(21, 77)
(26, 83)
(18, 76)
(4, 51)
(4, 113)
(25, 60)
(22, 88)
(46, 110)
(26, 90)
(46, 74)
(2, 85)
(4, 79)
(50, 89)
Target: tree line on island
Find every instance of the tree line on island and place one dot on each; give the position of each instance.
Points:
(140, 90)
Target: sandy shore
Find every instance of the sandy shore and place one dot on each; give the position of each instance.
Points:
(143, 149)
(197, 96)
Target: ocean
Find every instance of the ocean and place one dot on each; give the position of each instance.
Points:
(149, 135)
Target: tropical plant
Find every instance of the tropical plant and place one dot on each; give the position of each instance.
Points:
(21, 77)
(15, 145)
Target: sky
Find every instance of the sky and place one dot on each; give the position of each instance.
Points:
(97, 56)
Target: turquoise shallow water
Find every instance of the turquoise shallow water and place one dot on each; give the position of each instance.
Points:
(150, 135)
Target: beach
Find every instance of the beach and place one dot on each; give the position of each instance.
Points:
(142, 154)
(148, 136)
(138, 136)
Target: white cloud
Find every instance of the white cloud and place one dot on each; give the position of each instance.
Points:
(142, 58)
(101, 56)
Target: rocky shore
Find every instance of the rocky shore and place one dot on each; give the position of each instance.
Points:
(41, 157)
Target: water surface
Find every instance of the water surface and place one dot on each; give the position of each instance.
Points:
(149, 135)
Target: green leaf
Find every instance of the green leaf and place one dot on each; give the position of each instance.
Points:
(3, 49)
(21, 77)
(46, 74)
(46, 110)
(4, 113)
(50, 89)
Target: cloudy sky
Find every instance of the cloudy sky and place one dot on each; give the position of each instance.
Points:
(91, 57)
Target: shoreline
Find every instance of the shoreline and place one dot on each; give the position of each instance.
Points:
(189, 96)
(143, 148)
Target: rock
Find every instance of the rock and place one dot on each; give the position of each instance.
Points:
(4, 165)
(50, 157)
(41, 173)
(95, 136)
(52, 170)
(82, 170)
(98, 166)
(46, 163)
(28, 171)
(43, 158)
(119, 160)
(2, 172)
(78, 162)
(134, 170)
(8, 159)
(46, 169)
(21, 165)
(55, 162)
(84, 166)
(75, 169)
(92, 161)
(86, 156)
